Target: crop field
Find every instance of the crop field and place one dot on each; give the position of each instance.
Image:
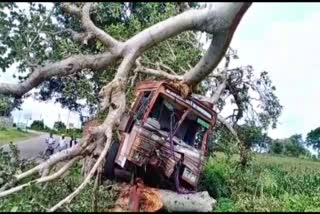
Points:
(270, 183)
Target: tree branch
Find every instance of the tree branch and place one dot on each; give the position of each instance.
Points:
(221, 39)
(106, 39)
(224, 17)
(183, 6)
(54, 176)
(40, 27)
(65, 67)
(159, 73)
(219, 90)
(71, 9)
(69, 198)
(229, 127)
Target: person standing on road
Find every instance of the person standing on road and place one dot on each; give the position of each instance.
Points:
(62, 143)
(50, 142)
(73, 141)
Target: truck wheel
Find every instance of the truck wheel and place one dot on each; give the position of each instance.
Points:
(110, 158)
(48, 152)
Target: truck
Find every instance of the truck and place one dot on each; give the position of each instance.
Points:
(163, 138)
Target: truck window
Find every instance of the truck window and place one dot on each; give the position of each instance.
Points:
(192, 131)
(142, 105)
(162, 112)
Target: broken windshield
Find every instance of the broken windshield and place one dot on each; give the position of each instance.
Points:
(167, 117)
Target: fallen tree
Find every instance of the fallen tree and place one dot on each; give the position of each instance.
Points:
(219, 21)
(153, 200)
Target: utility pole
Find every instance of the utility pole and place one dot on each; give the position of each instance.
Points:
(68, 119)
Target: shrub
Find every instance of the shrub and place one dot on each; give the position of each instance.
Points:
(214, 180)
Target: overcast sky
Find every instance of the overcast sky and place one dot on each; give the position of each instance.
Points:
(281, 38)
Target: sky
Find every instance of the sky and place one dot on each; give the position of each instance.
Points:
(283, 39)
(280, 38)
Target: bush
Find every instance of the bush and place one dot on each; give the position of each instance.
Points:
(214, 180)
(225, 205)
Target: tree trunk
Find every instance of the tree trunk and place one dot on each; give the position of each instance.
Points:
(153, 200)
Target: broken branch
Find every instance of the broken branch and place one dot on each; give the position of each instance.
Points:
(54, 176)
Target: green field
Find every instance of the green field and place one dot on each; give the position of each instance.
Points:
(269, 184)
(7, 135)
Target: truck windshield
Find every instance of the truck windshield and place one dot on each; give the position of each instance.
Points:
(192, 130)
(166, 117)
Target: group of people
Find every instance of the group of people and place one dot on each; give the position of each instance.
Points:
(62, 144)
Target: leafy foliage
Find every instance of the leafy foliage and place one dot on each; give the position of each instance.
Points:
(276, 147)
(251, 93)
(59, 125)
(38, 198)
(292, 146)
(8, 104)
(37, 125)
(313, 138)
(41, 36)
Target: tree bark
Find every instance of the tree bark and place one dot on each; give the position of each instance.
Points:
(152, 200)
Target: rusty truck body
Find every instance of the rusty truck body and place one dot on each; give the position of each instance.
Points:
(164, 136)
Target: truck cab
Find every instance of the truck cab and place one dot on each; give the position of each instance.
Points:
(164, 137)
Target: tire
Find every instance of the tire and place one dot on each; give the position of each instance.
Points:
(48, 152)
(110, 158)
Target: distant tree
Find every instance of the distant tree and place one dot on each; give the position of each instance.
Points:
(250, 135)
(60, 126)
(292, 149)
(276, 147)
(37, 125)
(313, 139)
(266, 143)
(297, 139)
(292, 146)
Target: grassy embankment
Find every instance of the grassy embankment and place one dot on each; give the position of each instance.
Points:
(270, 183)
(7, 135)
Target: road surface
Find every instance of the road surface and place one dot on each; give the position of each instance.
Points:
(31, 147)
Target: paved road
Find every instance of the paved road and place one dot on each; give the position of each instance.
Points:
(33, 146)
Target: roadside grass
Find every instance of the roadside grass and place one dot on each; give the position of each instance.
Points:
(270, 183)
(289, 164)
(12, 134)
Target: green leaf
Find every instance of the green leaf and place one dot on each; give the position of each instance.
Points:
(14, 209)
